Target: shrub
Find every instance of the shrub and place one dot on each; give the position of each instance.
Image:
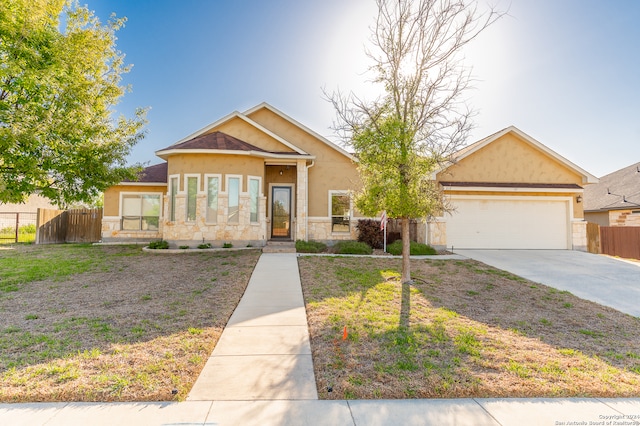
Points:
(184, 247)
(352, 247)
(310, 246)
(416, 249)
(159, 245)
(227, 245)
(204, 246)
(369, 233)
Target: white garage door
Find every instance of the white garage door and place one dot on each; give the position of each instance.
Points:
(502, 223)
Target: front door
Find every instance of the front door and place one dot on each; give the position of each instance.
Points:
(281, 212)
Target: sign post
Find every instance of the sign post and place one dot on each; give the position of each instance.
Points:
(383, 228)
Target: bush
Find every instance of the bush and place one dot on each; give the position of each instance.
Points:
(159, 245)
(227, 245)
(204, 246)
(369, 233)
(310, 246)
(184, 247)
(352, 247)
(416, 249)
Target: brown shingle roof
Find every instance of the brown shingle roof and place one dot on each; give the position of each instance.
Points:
(153, 174)
(617, 190)
(220, 141)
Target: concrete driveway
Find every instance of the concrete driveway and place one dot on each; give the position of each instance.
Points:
(601, 279)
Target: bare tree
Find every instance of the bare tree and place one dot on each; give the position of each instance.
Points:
(422, 117)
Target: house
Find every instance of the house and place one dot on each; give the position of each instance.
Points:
(615, 200)
(259, 175)
(509, 191)
(245, 179)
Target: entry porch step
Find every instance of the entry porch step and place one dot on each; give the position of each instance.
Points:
(279, 247)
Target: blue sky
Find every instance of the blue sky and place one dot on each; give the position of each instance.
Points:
(566, 72)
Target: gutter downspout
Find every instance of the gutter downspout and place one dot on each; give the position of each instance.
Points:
(306, 202)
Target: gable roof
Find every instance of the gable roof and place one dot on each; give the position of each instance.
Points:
(617, 190)
(476, 146)
(223, 143)
(245, 117)
(284, 116)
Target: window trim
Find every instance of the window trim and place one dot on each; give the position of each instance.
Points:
(207, 176)
(172, 197)
(228, 177)
(140, 194)
(343, 192)
(259, 195)
(186, 192)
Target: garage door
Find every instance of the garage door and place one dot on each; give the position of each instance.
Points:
(502, 223)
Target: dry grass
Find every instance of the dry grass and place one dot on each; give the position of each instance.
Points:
(112, 323)
(463, 329)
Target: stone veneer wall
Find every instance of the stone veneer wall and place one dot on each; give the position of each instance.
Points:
(242, 233)
(320, 230)
(624, 218)
(437, 234)
(111, 232)
(579, 235)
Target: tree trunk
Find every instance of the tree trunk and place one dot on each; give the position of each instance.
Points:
(406, 251)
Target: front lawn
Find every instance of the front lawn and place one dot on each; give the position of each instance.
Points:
(111, 323)
(463, 329)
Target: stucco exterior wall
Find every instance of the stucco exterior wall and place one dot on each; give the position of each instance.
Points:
(242, 130)
(601, 218)
(194, 164)
(510, 160)
(331, 171)
(112, 196)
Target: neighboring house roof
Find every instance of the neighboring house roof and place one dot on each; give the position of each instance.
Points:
(470, 149)
(156, 174)
(616, 191)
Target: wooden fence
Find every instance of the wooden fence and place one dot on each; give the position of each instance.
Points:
(69, 226)
(621, 241)
(593, 238)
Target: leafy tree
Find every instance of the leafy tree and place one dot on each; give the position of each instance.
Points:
(421, 119)
(60, 75)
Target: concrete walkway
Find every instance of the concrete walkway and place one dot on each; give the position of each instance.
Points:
(264, 352)
(261, 373)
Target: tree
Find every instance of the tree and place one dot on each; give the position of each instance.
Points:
(60, 75)
(404, 136)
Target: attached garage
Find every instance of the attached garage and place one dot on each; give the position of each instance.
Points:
(509, 191)
(495, 222)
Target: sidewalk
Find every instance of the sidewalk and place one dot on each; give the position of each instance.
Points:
(260, 373)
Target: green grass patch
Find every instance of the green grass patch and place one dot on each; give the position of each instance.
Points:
(47, 262)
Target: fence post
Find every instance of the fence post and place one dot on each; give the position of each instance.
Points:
(17, 225)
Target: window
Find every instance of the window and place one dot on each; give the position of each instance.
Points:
(173, 192)
(192, 200)
(340, 206)
(212, 199)
(233, 189)
(254, 192)
(140, 212)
